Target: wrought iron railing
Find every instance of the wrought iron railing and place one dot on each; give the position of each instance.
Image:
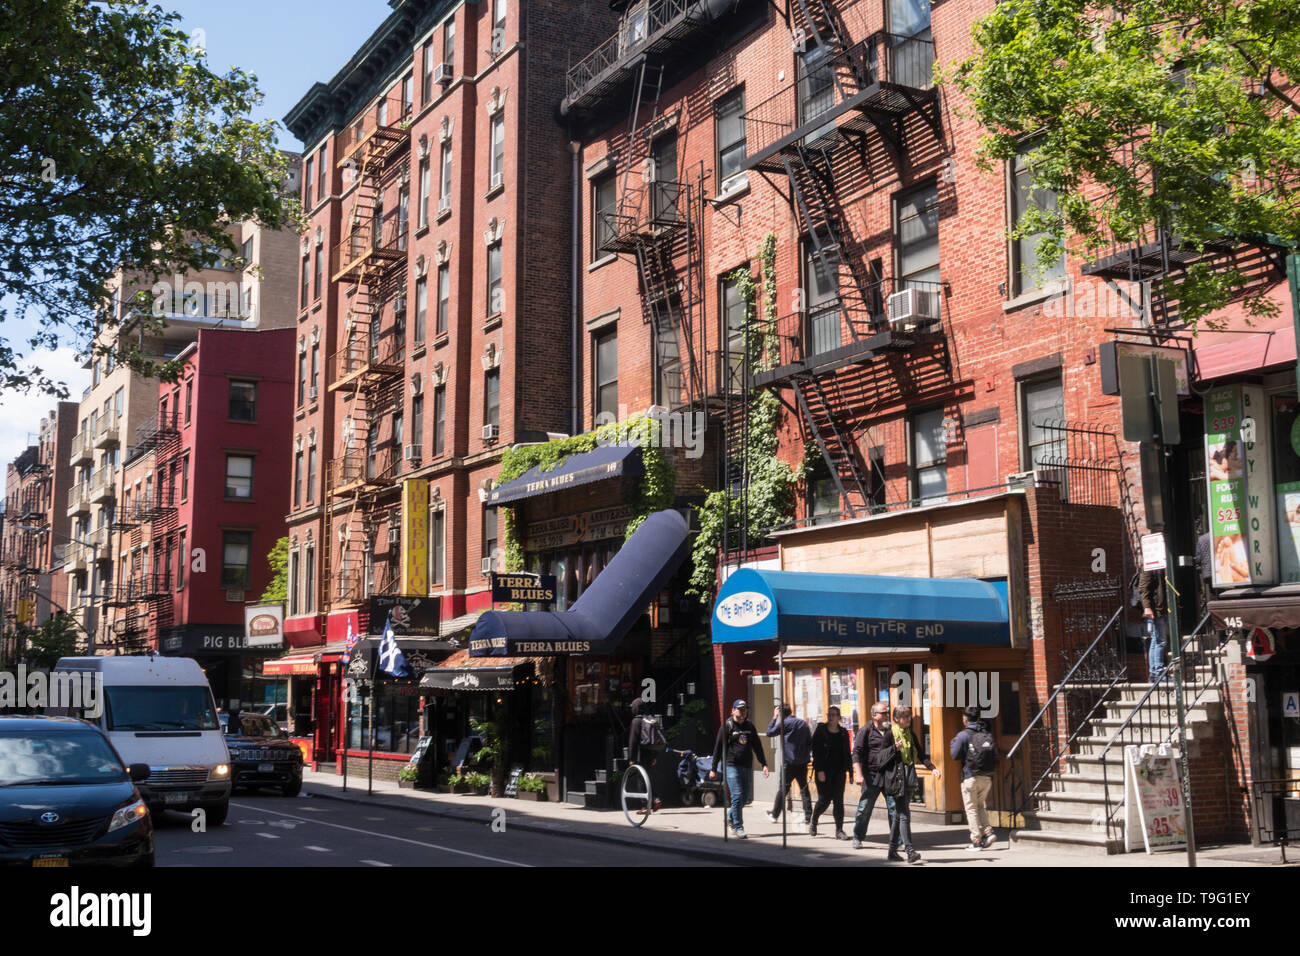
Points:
(385, 241)
(632, 36)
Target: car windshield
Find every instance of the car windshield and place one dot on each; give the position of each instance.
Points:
(252, 725)
(33, 759)
(160, 708)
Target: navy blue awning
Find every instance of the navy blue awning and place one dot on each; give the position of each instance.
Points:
(851, 610)
(608, 461)
(606, 610)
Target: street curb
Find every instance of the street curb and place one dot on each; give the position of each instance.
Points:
(737, 858)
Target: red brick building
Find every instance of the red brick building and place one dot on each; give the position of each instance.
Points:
(204, 497)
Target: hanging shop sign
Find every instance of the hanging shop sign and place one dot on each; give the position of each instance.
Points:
(598, 525)
(1262, 645)
(1112, 353)
(408, 615)
(524, 589)
(415, 536)
(264, 625)
(1241, 493)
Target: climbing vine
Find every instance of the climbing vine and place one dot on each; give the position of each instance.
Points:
(770, 482)
(657, 488)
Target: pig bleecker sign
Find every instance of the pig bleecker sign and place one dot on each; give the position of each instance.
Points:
(1241, 493)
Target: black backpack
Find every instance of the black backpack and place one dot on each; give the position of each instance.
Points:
(652, 734)
(981, 753)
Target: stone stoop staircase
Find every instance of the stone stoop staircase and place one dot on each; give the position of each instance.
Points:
(1071, 807)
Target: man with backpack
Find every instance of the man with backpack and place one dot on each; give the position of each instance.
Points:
(737, 741)
(976, 750)
(794, 769)
(645, 737)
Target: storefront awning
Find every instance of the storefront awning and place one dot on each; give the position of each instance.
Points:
(610, 461)
(859, 610)
(1275, 611)
(606, 610)
(285, 666)
(462, 672)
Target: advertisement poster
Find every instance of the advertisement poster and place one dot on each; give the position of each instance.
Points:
(808, 695)
(1153, 795)
(1288, 530)
(844, 694)
(1240, 493)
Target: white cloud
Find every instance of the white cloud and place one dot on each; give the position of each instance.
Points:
(20, 415)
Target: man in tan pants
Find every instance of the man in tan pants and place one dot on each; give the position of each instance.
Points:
(975, 749)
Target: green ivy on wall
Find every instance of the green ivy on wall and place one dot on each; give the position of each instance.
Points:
(657, 490)
(770, 488)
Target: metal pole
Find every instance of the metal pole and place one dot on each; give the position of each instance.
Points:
(347, 725)
(1293, 280)
(726, 789)
(785, 767)
(370, 760)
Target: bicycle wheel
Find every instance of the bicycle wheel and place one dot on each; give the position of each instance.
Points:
(635, 795)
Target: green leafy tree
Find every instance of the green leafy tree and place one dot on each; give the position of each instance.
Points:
(42, 646)
(1144, 115)
(119, 148)
(278, 562)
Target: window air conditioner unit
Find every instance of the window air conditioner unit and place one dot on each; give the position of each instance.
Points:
(912, 309)
(497, 180)
(394, 534)
(412, 453)
(311, 393)
(444, 205)
(1023, 479)
(490, 432)
(235, 595)
(442, 73)
(486, 566)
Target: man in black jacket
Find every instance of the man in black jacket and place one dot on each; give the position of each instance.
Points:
(830, 759)
(737, 742)
(794, 769)
(872, 752)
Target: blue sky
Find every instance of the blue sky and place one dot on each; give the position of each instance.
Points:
(288, 45)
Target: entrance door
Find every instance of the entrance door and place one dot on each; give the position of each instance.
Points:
(763, 692)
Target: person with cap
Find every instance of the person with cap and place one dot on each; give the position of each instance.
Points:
(976, 750)
(794, 769)
(737, 742)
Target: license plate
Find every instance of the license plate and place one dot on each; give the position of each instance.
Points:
(176, 797)
(266, 768)
(50, 861)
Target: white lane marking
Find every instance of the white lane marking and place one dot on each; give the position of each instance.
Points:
(269, 836)
(375, 863)
(318, 849)
(387, 836)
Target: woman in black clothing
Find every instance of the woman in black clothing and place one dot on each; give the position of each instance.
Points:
(831, 761)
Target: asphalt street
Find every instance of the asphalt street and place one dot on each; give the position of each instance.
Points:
(276, 831)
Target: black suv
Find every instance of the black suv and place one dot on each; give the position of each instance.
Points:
(66, 798)
(261, 754)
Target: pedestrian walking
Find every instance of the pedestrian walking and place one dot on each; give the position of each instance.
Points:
(831, 762)
(794, 768)
(645, 738)
(872, 752)
(909, 752)
(737, 742)
(1155, 609)
(975, 749)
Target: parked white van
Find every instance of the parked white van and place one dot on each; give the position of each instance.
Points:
(160, 711)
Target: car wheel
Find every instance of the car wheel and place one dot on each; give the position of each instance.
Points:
(292, 789)
(217, 812)
(708, 799)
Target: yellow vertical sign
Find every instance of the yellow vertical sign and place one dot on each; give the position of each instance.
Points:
(415, 537)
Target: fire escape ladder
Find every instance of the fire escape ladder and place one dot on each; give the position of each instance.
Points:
(836, 449)
(815, 17)
(822, 234)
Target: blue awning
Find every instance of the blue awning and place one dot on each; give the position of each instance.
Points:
(801, 607)
(606, 610)
(608, 461)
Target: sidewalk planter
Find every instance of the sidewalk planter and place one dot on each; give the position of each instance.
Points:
(406, 784)
(537, 796)
(461, 788)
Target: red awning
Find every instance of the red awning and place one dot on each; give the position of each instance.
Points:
(1246, 352)
(302, 664)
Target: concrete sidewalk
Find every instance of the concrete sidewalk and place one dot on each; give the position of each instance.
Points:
(697, 833)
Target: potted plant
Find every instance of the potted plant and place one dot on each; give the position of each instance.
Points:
(407, 776)
(479, 783)
(491, 755)
(531, 787)
(457, 781)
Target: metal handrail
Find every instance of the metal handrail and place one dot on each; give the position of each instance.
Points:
(659, 15)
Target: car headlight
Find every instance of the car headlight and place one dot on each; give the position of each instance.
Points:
(127, 815)
(220, 772)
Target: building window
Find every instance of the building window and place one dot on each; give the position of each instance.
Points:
(1022, 197)
(498, 26)
(311, 474)
(408, 94)
(421, 307)
(306, 280)
(439, 418)
(729, 134)
(315, 371)
(665, 195)
(816, 89)
(437, 545)
(449, 44)
(399, 319)
(929, 456)
(302, 378)
(297, 480)
(917, 238)
(492, 397)
(668, 356)
(182, 559)
(490, 537)
(381, 112)
(422, 210)
(734, 309)
(605, 348)
(236, 552)
(604, 206)
(309, 579)
(320, 269)
(444, 196)
(495, 293)
(323, 174)
(243, 401)
(307, 182)
(822, 282)
(426, 57)
(185, 478)
(239, 476)
(399, 435)
(444, 297)
(497, 163)
(293, 583)
(417, 420)
(1042, 405)
(823, 494)
(189, 400)
(403, 215)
